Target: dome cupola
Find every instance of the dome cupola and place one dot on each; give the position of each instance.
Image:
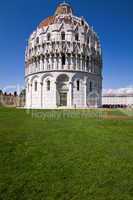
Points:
(63, 9)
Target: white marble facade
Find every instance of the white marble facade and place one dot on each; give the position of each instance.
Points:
(118, 99)
(63, 63)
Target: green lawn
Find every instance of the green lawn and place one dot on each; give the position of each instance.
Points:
(60, 157)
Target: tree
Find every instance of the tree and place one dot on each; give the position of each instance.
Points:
(1, 92)
(15, 94)
(22, 93)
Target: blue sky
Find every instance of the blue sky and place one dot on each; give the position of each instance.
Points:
(112, 20)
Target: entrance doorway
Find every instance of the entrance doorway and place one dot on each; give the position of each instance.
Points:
(63, 99)
(62, 86)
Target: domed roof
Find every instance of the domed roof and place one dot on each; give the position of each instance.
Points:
(46, 22)
(62, 9)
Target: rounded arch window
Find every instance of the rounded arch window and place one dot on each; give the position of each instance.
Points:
(48, 85)
(82, 22)
(76, 36)
(37, 40)
(35, 86)
(90, 86)
(48, 36)
(78, 85)
(63, 59)
(63, 36)
(88, 40)
(87, 62)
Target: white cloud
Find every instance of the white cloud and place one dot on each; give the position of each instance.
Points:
(119, 91)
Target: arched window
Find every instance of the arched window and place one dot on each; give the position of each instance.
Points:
(76, 36)
(63, 59)
(78, 85)
(90, 86)
(87, 63)
(37, 40)
(29, 51)
(35, 86)
(82, 22)
(62, 36)
(48, 85)
(88, 40)
(48, 37)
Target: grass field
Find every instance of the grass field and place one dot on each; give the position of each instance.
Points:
(76, 155)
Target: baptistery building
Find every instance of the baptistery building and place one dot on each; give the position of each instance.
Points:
(63, 63)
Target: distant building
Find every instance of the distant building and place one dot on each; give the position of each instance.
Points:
(117, 100)
(63, 63)
(10, 100)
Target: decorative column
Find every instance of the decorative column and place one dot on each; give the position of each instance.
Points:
(38, 64)
(85, 96)
(32, 66)
(69, 101)
(90, 42)
(55, 62)
(89, 63)
(85, 64)
(68, 67)
(81, 63)
(45, 63)
(26, 96)
(41, 63)
(50, 62)
(54, 95)
(60, 64)
(41, 94)
(30, 95)
(76, 62)
(71, 62)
